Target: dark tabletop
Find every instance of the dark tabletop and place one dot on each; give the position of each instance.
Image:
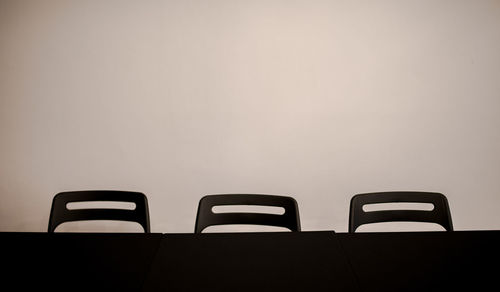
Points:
(276, 261)
(282, 261)
(424, 261)
(77, 261)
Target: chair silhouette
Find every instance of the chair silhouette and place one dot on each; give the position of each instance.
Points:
(59, 212)
(440, 214)
(206, 217)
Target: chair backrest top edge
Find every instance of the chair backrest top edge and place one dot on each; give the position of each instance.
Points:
(59, 212)
(440, 214)
(205, 217)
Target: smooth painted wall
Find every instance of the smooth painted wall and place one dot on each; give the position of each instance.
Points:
(318, 100)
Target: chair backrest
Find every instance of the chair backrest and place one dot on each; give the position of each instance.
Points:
(440, 213)
(60, 213)
(206, 217)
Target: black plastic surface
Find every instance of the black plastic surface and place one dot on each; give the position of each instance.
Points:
(205, 217)
(440, 214)
(59, 212)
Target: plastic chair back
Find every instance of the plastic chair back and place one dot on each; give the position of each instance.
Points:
(440, 213)
(60, 213)
(206, 217)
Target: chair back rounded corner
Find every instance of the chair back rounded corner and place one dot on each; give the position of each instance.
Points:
(205, 216)
(440, 214)
(59, 213)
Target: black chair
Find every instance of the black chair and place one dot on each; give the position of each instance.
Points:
(206, 217)
(59, 212)
(440, 214)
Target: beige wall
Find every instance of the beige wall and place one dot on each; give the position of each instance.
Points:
(319, 100)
